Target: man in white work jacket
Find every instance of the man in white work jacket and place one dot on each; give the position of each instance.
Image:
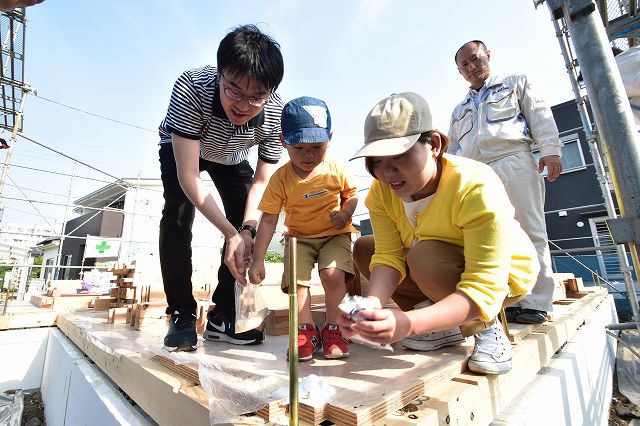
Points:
(497, 123)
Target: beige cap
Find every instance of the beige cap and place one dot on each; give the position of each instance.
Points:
(394, 125)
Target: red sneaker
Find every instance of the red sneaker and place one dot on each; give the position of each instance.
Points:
(333, 344)
(308, 341)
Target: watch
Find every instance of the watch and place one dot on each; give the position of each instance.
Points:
(250, 228)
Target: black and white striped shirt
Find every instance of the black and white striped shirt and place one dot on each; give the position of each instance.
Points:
(195, 112)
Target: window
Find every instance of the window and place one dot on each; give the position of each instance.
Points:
(572, 156)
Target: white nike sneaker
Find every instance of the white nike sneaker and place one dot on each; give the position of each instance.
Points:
(221, 328)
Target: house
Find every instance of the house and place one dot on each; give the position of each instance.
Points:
(575, 209)
(130, 210)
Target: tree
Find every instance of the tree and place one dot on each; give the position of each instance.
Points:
(35, 272)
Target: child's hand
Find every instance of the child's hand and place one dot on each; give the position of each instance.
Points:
(256, 271)
(339, 219)
(382, 325)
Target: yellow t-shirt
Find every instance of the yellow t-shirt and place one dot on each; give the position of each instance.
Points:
(308, 203)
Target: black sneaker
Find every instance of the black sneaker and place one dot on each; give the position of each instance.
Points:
(182, 332)
(532, 316)
(512, 313)
(221, 329)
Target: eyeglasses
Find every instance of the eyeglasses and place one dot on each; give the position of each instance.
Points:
(237, 96)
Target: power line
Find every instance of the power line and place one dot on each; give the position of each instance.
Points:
(32, 204)
(95, 115)
(25, 212)
(68, 156)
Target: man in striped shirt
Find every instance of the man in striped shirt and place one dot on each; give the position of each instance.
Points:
(215, 116)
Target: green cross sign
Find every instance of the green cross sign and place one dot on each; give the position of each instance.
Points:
(102, 247)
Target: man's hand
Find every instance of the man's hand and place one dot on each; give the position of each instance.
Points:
(234, 257)
(553, 164)
(248, 246)
(339, 219)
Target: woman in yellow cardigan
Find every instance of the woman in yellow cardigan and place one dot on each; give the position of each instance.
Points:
(444, 239)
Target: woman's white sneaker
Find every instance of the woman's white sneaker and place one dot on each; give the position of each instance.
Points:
(492, 353)
(433, 341)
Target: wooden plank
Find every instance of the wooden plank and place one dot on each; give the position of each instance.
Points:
(169, 399)
(270, 411)
(372, 385)
(14, 320)
(378, 401)
(476, 398)
(454, 402)
(42, 301)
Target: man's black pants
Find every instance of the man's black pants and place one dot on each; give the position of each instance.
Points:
(233, 183)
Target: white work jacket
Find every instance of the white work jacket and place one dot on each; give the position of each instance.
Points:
(508, 119)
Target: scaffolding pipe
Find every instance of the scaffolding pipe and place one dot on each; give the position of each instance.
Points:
(562, 36)
(613, 117)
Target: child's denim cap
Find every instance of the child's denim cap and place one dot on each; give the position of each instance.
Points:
(306, 120)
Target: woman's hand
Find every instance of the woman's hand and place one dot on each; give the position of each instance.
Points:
(382, 325)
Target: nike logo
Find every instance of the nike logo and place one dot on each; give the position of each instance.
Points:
(220, 328)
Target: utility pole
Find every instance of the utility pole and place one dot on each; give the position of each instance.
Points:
(614, 120)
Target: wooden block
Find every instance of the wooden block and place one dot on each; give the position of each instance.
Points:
(123, 293)
(277, 322)
(117, 315)
(139, 316)
(201, 320)
(131, 318)
(571, 285)
(145, 294)
(319, 315)
(42, 301)
(101, 304)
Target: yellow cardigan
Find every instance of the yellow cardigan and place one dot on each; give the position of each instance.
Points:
(472, 210)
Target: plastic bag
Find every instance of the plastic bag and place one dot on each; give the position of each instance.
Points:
(251, 308)
(234, 392)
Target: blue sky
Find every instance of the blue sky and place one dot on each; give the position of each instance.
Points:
(119, 59)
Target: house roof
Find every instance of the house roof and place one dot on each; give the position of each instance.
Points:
(111, 192)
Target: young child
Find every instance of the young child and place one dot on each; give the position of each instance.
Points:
(443, 230)
(318, 200)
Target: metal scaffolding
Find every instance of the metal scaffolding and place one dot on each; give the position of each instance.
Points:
(582, 30)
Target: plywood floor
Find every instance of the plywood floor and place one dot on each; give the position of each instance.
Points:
(370, 385)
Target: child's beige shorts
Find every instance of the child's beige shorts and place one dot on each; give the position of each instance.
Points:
(328, 252)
